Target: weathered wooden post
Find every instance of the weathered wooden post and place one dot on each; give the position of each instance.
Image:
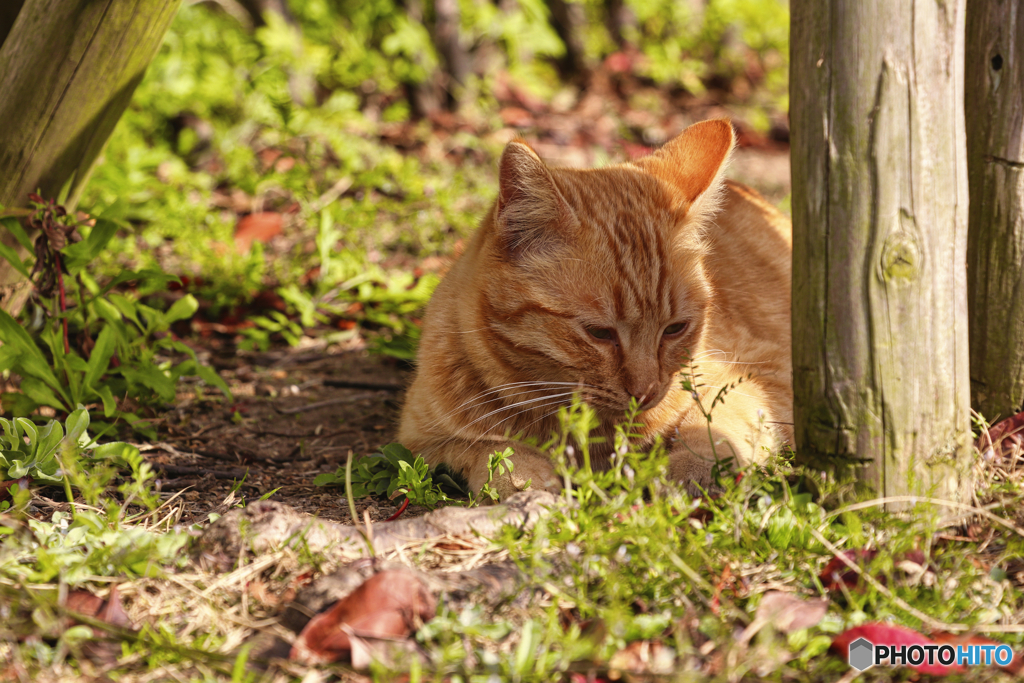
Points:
(68, 69)
(879, 240)
(994, 107)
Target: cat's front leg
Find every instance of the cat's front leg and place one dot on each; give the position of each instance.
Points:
(531, 468)
(737, 435)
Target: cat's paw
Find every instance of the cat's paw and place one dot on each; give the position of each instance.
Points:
(529, 471)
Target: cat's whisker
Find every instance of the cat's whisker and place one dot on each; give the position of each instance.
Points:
(475, 401)
(734, 391)
(516, 405)
(559, 403)
(707, 353)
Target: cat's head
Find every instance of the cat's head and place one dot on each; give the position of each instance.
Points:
(597, 277)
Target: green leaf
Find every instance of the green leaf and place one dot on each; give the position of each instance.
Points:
(109, 404)
(49, 438)
(12, 435)
(328, 479)
(12, 257)
(183, 308)
(106, 310)
(31, 432)
(118, 451)
(208, 375)
(99, 360)
(13, 226)
(397, 453)
(81, 253)
(32, 362)
(18, 470)
(77, 423)
(150, 376)
(9, 356)
(126, 307)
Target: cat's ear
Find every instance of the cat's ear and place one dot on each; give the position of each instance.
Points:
(531, 212)
(693, 162)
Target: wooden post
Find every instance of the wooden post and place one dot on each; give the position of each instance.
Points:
(879, 241)
(994, 106)
(68, 69)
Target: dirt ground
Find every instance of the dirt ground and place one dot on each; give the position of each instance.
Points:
(290, 422)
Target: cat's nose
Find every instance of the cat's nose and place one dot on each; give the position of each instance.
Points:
(645, 396)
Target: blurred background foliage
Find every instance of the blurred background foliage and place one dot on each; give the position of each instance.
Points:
(320, 153)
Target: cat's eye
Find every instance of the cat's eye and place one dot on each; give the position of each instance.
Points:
(674, 329)
(601, 333)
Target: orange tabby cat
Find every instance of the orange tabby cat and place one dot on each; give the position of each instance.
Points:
(604, 282)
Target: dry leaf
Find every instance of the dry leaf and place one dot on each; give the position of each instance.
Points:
(257, 227)
(787, 612)
(644, 656)
(391, 604)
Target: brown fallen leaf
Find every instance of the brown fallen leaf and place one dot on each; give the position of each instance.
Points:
(257, 227)
(391, 604)
(787, 612)
(109, 611)
(1003, 439)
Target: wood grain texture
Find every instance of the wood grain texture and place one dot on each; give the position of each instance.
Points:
(994, 108)
(68, 69)
(880, 355)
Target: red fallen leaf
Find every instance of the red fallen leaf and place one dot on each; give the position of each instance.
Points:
(889, 634)
(837, 573)
(1004, 438)
(255, 227)
(619, 62)
(1016, 665)
(391, 604)
(109, 611)
(268, 156)
(515, 116)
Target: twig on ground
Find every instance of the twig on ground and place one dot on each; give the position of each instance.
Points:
(355, 384)
(237, 473)
(949, 521)
(322, 404)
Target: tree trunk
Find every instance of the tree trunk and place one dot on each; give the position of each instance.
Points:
(9, 10)
(68, 69)
(620, 21)
(994, 105)
(449, 45)
(567, 19)
(880, 357)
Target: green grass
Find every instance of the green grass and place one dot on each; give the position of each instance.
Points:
(630, 557)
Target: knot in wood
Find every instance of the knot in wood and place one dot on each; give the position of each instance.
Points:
(901, 258)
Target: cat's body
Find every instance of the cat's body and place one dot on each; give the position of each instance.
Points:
(604, 283)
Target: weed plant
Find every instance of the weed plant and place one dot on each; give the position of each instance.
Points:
(82, 342)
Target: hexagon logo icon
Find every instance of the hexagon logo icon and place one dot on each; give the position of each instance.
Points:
(862, 654)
